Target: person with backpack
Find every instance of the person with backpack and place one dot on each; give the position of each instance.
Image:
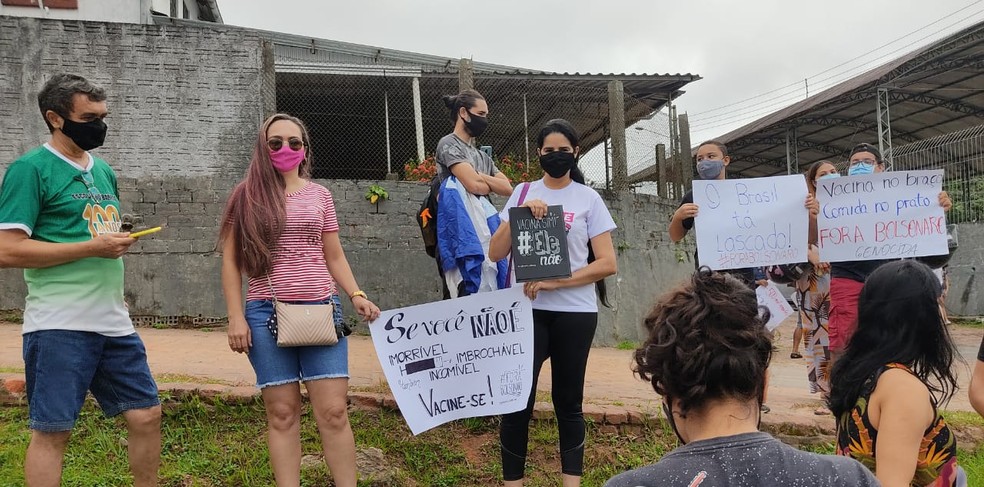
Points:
(457, 156)
(456, 152)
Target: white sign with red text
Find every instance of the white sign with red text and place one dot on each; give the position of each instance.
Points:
(881, 216)
(779, 309)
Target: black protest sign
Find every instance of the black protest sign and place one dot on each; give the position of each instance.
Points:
(539, 247)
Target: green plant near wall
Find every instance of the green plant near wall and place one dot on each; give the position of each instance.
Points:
(376, 193)
(680, 251)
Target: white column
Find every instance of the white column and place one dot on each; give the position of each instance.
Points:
(418, 118)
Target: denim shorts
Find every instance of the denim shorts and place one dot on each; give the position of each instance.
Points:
(275, 365)
(61, 365)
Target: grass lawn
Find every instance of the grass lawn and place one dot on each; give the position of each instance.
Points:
(213, 444)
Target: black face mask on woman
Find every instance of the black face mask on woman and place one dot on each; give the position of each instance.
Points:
(557, 163)
(477, 125)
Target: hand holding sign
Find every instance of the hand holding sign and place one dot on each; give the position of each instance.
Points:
(461, 358)
(882, 216)
(539, 245)
(751, 222)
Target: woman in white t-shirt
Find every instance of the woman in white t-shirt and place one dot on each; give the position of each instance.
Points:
(565, 311)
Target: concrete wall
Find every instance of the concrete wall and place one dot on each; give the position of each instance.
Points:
(176, 273)
(182, 102)
(966, 294)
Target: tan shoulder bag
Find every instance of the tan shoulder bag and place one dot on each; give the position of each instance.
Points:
(301, 325)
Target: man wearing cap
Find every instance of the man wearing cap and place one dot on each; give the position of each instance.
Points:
(847, 278)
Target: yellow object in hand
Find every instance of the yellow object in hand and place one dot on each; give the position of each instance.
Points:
(146, 232)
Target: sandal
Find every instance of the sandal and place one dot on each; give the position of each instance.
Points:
(765, 409)
(822, 411)
(795, 355)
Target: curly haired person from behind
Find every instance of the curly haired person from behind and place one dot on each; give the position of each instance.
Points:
(897, 371)
(706, 355)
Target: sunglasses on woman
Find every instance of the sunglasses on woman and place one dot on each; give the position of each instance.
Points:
(277, 143)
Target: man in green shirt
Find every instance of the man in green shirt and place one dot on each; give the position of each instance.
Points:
(60, 222)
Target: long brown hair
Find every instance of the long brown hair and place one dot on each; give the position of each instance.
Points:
(811, 175)
(255, 214)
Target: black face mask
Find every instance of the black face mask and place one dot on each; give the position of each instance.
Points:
(557, 163)
(87, 135)
(477, 125)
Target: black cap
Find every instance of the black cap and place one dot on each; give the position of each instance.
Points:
(866, 148)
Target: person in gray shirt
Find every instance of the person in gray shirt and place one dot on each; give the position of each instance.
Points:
(707, 355)
(456, 153)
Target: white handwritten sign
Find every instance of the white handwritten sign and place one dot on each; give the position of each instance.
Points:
(771, 297)
(881, 216)
(459, 358)
(751, 222)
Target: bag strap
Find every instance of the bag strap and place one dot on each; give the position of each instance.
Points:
(272, 292)
(522, 194)
(522, 198)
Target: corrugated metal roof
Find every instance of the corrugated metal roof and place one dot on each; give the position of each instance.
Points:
(933, 90)
(325, 50)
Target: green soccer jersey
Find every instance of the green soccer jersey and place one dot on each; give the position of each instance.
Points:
(52, 199)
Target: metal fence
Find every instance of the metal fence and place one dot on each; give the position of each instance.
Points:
(372, 122)
(961, 155)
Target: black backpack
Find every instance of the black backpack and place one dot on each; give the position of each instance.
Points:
(427, 217)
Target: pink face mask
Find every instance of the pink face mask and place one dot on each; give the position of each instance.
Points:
(286, 159)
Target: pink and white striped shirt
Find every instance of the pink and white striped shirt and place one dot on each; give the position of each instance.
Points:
(300, 272)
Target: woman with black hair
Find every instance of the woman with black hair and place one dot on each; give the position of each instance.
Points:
(895, 374)
(565, 311)
(707, 355)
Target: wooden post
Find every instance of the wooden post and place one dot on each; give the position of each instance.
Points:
(661, 169)
(616, 127)
(687, 173)
(466, 75)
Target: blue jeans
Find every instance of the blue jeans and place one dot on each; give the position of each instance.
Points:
(275, 365)
(62, 365)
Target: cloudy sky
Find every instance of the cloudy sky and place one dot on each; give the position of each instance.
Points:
(741, 48)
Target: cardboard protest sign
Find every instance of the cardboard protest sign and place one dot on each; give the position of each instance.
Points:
(539, 246)
(881, 216)
(757, 222)
(459, 358)
(771, 297)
